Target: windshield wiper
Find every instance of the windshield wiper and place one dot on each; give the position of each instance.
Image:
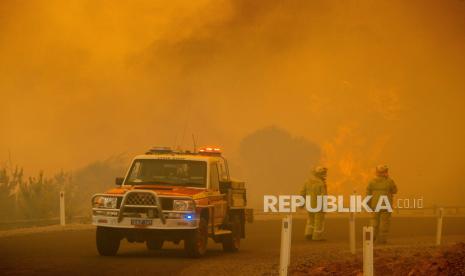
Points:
(154, 182)
(163, 182)
(193, 184)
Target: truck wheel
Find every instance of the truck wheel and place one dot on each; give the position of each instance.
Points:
(232, 242)
(107, 241)
(195, 244)
(154, 244)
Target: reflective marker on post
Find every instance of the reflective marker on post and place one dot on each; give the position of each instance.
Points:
(352, 232)
(285, 254)
(368, 251)
(439, 226)
(62, 208)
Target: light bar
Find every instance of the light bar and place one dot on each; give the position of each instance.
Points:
(210, 151)
(160, 150)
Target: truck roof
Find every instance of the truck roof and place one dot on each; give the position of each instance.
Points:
(194, 157)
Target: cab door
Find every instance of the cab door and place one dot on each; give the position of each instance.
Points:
(215, 197)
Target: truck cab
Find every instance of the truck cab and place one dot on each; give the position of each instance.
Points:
(175, 196)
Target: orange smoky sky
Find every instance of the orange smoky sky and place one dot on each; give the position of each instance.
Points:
(368, 81)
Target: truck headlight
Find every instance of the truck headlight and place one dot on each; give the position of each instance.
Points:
(183, 205)
(109, 202)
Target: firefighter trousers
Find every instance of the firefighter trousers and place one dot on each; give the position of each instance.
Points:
(381, 222)
(315, 226)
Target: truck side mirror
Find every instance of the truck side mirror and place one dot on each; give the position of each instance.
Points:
(224, 186)
(119, 180)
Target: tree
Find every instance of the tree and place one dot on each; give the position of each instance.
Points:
(274, 162)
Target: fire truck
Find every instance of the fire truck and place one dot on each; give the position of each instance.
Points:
(168, 195)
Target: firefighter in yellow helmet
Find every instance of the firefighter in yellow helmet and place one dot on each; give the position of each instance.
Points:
(381, 185)
(315, 186)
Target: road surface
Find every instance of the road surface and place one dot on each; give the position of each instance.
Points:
(73, 252)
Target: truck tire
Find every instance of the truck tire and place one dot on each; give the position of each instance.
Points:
(107, 241)
(154, 244)
(232, 242)
(195, 244)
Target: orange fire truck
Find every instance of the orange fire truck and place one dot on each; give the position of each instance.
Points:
(175, 196)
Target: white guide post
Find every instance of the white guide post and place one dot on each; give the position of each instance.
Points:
(352, 227)
(439, 226)
(62, 208)
(352, 232)
(285, 254)
(367, 251)
(290, 239)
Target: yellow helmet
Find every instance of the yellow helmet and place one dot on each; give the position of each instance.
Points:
(320, 171)
(382, 169)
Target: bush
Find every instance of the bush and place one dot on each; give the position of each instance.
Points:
(38, 197)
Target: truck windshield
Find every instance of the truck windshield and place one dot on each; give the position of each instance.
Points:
(168, 172)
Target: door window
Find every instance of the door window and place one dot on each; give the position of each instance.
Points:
(223, 174)
(214, 177)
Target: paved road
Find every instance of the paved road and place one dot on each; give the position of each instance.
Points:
(73, 252)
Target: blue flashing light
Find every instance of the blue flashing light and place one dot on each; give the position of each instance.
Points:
(189, 217)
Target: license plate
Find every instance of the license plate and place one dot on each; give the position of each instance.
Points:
(141, 222)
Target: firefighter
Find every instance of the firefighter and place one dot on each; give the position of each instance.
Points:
(315, 186)
(381, 185)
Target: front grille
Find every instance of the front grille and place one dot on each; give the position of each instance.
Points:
(166, 203)
(135, 212)
(140, 199)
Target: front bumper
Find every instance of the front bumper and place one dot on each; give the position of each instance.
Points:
(175, 224)
(146, 206)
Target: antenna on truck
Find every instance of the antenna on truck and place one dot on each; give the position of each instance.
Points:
(195, 144)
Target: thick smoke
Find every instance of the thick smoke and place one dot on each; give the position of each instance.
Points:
(368, 82)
